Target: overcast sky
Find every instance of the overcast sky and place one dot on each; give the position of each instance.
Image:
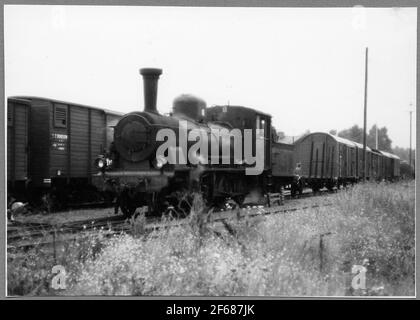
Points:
(304, 66)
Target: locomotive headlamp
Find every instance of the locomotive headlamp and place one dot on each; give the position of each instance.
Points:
(159, 162)
(101, 163)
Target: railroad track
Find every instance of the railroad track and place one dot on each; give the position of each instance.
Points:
(35, 235)
(27, 230)
(35, 230)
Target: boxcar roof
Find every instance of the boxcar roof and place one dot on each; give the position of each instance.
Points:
(352, 144)
(389, 155)
(336, 138)
(344, 141)
(376, 151)
(19, 100)
(359, 145)
(29, 98)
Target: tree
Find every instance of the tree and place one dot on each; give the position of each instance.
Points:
(404, 154)
(384, 142)
(354, 134)
(333, 132)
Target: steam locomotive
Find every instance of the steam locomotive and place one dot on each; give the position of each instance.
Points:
(241, 140)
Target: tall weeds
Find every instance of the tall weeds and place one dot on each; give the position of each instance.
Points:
(307, 252)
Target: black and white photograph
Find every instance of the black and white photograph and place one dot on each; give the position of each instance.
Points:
(191, 151)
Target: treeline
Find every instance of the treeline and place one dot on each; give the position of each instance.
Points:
(355, 133)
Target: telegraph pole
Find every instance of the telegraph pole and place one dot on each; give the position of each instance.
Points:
(364, 118)
(410, 137)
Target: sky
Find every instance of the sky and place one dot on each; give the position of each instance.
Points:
(304, 66)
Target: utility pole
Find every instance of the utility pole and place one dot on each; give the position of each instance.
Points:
(376, 144)
(410, 138)
(364, 118)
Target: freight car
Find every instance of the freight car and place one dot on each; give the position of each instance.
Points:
(331, 161)
(391, 164)
(18, 115)
(328, 160)
(406, 171)
(52, 146)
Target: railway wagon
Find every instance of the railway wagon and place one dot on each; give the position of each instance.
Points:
(18, 115)
(63, 141)
(283, 166)
(359, 160)
(391, 166)
(328, 161)
(376, 165)
(406, 171)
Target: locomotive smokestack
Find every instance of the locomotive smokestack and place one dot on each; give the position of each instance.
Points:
(150, 85)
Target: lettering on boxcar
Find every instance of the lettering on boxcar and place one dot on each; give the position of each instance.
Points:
(59, 141)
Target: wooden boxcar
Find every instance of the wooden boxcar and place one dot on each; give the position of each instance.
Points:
(359, 160)
(283, 164)
(391, 166)
(18, 115)
(376, 165)
(328, 161)
(63, 141)
(347, 162)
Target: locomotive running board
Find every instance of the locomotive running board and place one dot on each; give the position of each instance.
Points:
(150, 173)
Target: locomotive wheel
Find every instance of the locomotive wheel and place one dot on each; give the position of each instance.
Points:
(127, 210)
(126, 205)
(239, 200)
(185, 200)
(231, 204)
(180, 203)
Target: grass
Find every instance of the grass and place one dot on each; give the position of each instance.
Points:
(303, 253)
